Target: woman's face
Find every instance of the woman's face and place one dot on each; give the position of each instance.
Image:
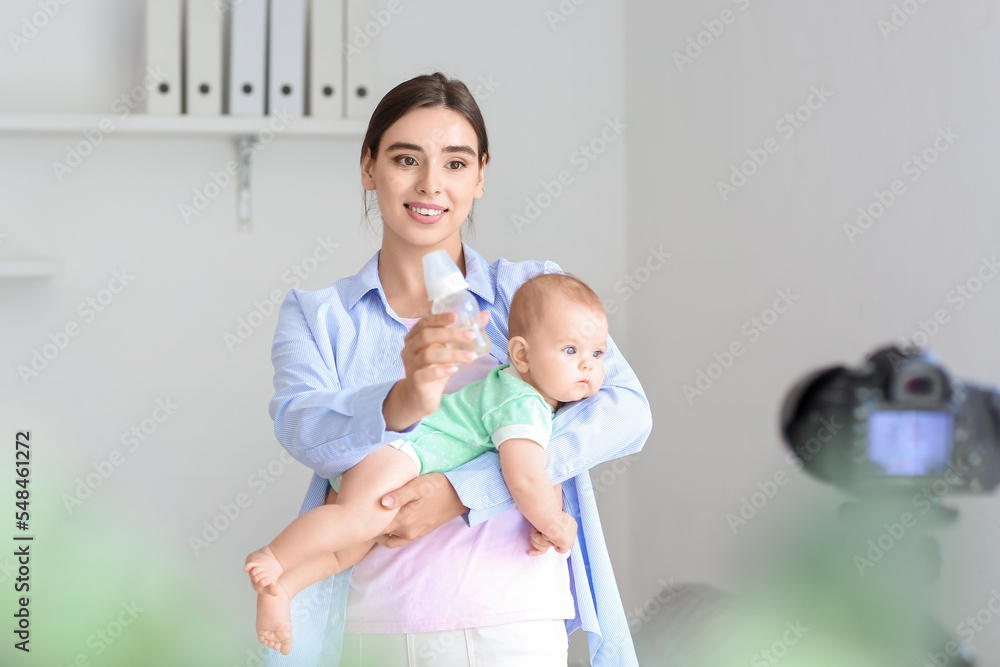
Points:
(426, 176)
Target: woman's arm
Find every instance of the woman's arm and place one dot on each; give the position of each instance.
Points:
(326, 427)
(614, 422)
(330, 428)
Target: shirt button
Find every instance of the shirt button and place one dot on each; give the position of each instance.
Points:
(343, 448)
(486, 498)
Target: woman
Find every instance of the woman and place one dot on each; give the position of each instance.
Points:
(463, 590)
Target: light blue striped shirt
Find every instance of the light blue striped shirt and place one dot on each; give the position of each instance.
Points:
(336, 355)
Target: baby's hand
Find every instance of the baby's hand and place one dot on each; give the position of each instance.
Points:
(561, 535)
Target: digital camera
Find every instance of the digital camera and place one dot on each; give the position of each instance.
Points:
(896, 423)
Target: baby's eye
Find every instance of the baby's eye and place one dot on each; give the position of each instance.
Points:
(569, 350)
(598, 354)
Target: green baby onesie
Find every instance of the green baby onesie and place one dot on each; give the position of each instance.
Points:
(479, 417)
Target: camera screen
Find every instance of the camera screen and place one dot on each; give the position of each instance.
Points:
(909, 443)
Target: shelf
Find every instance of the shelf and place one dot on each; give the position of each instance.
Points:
(232, 126)
(30, 268)
(248, 133)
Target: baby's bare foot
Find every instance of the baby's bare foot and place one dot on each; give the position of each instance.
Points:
(264, 570)
(274, 621)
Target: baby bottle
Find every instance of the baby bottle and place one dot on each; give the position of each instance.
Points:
(447, 289)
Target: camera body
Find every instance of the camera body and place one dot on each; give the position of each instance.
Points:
(895, 424)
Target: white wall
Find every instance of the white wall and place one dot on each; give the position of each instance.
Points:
(549, 91)
(553, 88)
(784, 230)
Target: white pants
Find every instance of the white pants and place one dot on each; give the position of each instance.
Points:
(521, 644)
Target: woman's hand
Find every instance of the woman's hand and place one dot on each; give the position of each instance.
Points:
(428, 364)
(426, 502)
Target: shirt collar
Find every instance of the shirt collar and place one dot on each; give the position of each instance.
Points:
(364, 281)
(477, 274)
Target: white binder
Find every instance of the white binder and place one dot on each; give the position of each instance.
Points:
(326, 59)
(286, 88)
(203, 79)
(163, 55)
(248, 58)
(361, 55)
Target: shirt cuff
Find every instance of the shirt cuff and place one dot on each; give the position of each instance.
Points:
(480, 486)
(371, 429)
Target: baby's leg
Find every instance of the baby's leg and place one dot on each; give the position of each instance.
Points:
(274, 616)
(296, 579)
(355, 518)
(266, 571)
(324, 541)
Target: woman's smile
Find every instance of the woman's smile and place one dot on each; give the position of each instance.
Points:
(425, 213)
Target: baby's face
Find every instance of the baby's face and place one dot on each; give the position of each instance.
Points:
(566, 351)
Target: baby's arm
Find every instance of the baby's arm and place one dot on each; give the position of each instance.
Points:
(522, 462)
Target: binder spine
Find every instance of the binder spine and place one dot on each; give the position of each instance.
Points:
(164, 19)
(203, 72)
(286, 57)
(248, 58)
(326, 58)
(362, 91)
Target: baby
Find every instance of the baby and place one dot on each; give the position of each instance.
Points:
(557, 338)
